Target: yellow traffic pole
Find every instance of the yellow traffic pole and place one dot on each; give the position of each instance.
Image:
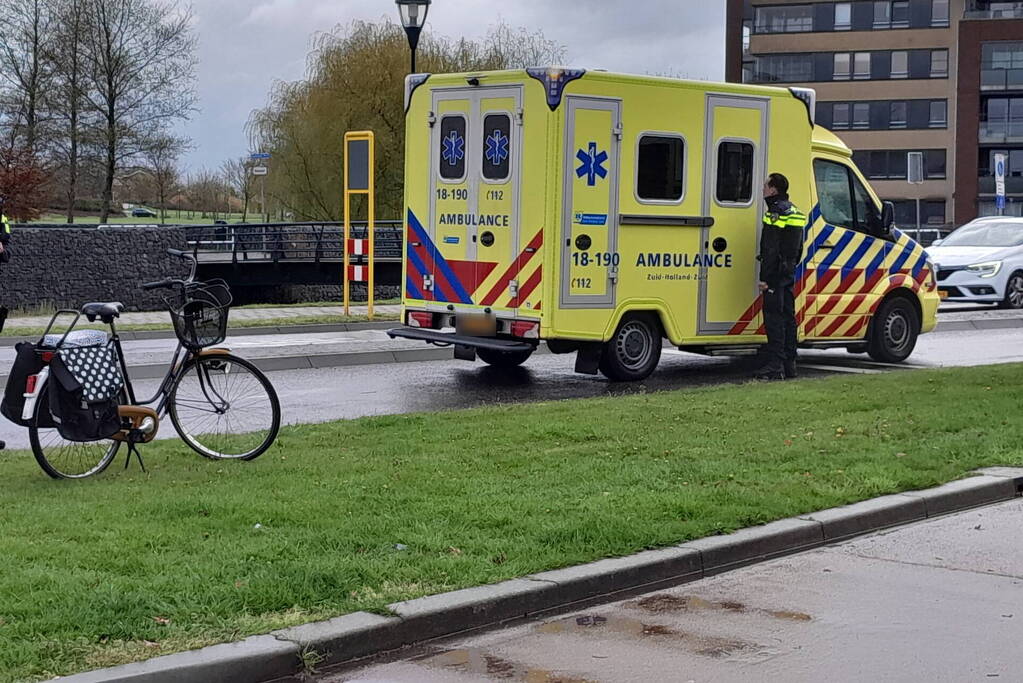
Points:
(371, 224)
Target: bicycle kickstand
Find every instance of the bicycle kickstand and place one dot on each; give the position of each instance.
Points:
(135, 437)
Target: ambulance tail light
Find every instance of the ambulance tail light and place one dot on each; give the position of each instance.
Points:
(420, 319)
(525, 329)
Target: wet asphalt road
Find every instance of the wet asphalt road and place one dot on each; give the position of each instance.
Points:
(309, 396)
(940, 600)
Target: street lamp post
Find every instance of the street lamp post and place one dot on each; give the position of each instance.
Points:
(413, 18)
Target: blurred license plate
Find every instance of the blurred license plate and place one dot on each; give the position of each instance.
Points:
(476, 325)
(942, 294)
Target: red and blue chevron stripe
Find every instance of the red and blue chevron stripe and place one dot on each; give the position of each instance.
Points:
(424, 259)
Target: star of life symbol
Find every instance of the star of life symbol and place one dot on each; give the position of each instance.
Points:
(592, 164)
(454, 148)
(497, 148)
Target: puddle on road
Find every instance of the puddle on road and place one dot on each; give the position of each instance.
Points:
(707, 646)
(476, 661)
(664, 603)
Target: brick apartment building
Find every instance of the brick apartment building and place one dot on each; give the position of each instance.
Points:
(944, 77)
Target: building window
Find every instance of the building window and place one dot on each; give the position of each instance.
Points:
(861, 115)
(939, 114)
(934, 164)
(882, 14)
(939, 63)
(659, 173)
(891, 164)
(841, 66)
(735, 172)
(841, 116)
(939, 13)
(898, 115)
(861, 65)
(843, 16)
(784, 19)
(783, 69)
(900, 64)
(900, 14)
(1001, 66)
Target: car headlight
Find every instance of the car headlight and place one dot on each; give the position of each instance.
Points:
(989, 269)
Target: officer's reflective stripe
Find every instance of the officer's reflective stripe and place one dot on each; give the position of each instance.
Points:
(791, 220)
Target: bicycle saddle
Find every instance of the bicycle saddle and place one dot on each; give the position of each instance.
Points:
(102, 310)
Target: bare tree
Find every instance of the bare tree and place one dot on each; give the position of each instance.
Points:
(142, 67)
(238, 174)
(24, 36)
(162, 156)
(66, 98)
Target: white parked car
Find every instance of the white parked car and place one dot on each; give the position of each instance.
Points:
(982, 262)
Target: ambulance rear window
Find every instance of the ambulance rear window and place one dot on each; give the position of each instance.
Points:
(735, 172)
(452, 147)
(496, 146)
(659, 173)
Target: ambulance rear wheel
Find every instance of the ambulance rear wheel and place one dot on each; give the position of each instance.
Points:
(503, 359)
(634, 350)
(894, 331)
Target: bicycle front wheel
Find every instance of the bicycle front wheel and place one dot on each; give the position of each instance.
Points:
(224, 408)
(63, 459)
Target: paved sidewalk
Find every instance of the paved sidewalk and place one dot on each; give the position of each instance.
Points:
(269, 314)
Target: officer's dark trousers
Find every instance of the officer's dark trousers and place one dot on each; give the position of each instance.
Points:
(780, 322)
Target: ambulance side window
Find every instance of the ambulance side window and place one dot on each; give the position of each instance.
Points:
(843, 199)
(496, 147)
(735, 172)
(834, 193)
(660, 168)
(452, 147)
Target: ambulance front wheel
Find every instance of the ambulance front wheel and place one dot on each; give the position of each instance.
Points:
(893, 331)
(634, 350)
(503, 359)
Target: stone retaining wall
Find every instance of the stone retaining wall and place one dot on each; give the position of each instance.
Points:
(66, 267)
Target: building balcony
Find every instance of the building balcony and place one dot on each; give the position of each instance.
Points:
(977, 9)
(1001, 79)
(1013, 185)
(1001, 132)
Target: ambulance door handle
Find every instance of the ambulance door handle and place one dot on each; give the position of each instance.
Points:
(826, 245)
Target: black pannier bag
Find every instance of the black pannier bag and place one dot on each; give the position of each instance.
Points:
(84, 389)
(26, 363)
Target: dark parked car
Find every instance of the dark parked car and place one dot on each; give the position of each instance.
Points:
(142, 212)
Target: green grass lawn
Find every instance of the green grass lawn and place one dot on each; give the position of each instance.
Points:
(130, 565)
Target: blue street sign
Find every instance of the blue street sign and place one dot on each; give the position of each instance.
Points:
(259, 155)
(1000, 201)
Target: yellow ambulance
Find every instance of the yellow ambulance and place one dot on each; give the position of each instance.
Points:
(603, 213)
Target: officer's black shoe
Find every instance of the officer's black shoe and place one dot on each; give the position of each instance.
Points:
(769, 372)
(790, 369)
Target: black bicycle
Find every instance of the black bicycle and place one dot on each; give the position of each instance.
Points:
(221, 405)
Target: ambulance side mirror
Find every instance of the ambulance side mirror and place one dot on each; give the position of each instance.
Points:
(887, 218)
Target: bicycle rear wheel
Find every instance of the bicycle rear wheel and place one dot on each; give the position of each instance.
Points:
(63, 459)
(224, 408)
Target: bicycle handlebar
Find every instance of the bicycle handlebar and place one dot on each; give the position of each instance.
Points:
(178, 253)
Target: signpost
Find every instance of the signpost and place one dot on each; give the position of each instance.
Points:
(262, 171)
(359, 171)
(915, 176)
(1000, 183)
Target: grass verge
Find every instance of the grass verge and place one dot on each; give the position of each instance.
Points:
(15, 331)
(353, 515)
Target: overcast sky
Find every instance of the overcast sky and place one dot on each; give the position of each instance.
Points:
(245, 45)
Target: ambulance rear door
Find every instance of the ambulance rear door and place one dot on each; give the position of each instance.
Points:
(474, 194)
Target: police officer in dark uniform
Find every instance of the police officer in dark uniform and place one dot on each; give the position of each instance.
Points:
(781, 247)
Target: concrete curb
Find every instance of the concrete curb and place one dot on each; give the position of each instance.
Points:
(360, 635)
(324, 328)
(979, 324)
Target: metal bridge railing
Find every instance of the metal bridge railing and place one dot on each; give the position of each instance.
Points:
(295, 242)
